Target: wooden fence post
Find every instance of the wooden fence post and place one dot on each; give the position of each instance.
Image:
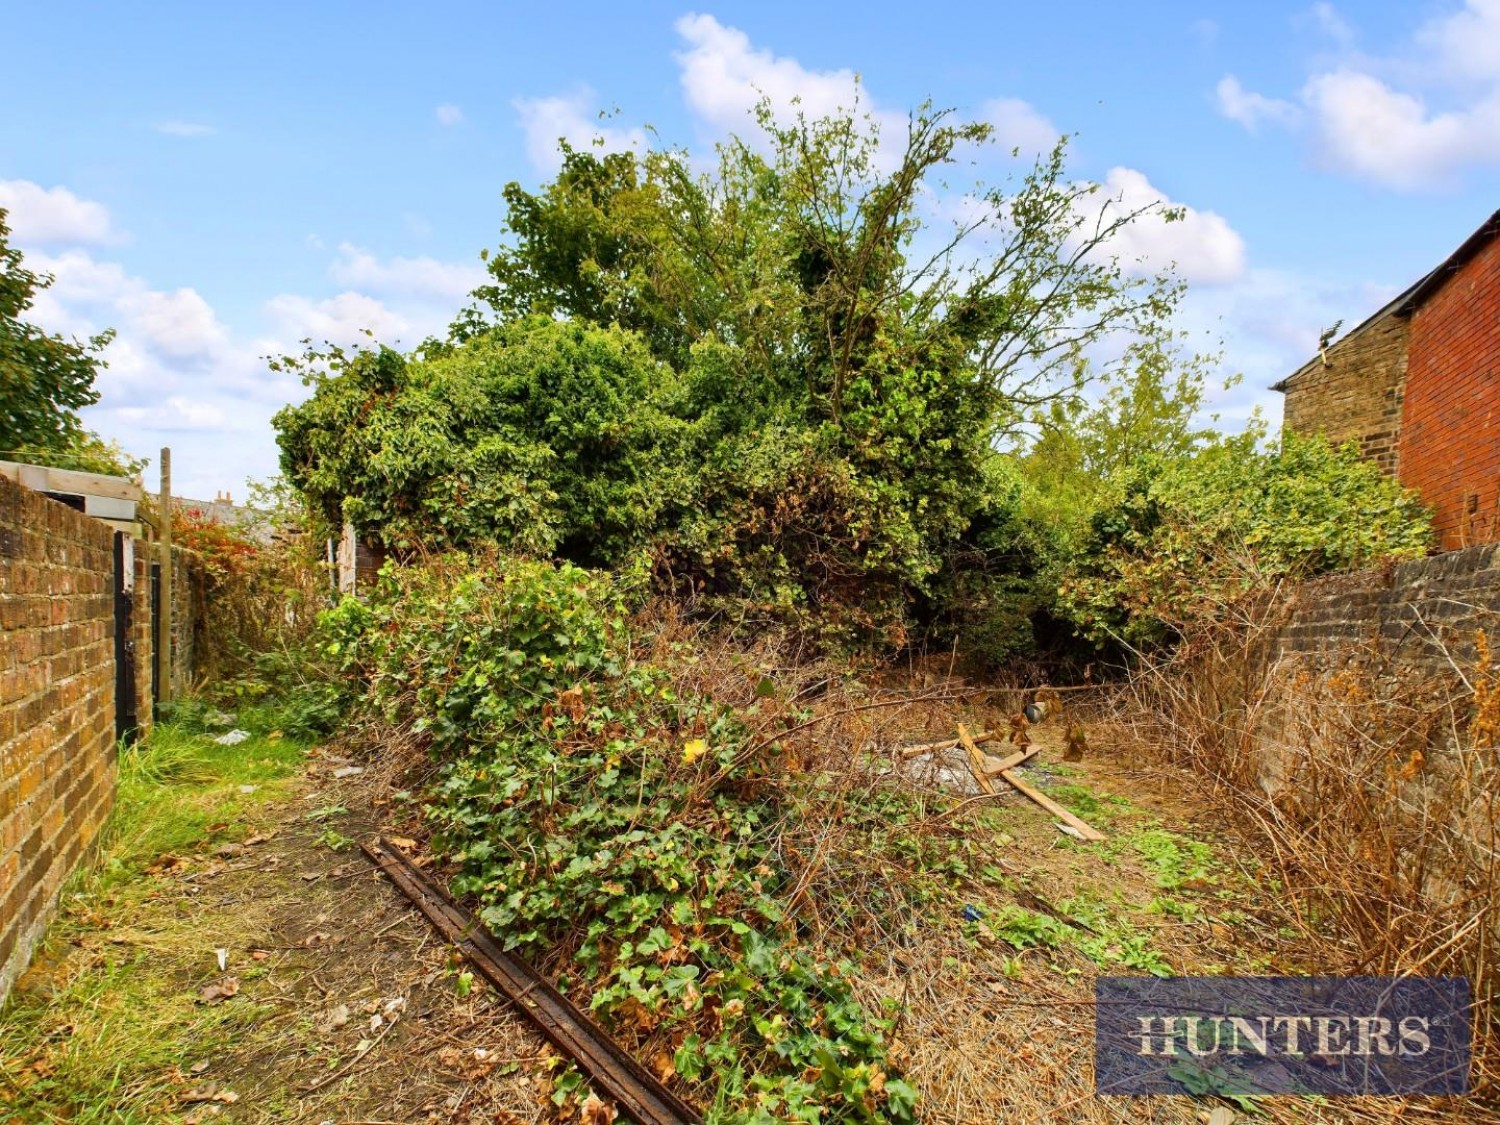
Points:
(164, 631)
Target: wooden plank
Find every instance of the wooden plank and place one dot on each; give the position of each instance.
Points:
(994, 766)
(948, 744)
(44, 478)
(976, 760)
(1082, 827)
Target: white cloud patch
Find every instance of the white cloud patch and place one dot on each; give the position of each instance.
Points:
(1415, 120)
(186, 129)
(1249, 108)
(176, 414)
(573, 118)
(421, 277)
(1201, 245)
(41, 216)
(449, 115)
(724, 77)
(1367, 128)
(1019, 126)
(1467, 41)
(344, 320)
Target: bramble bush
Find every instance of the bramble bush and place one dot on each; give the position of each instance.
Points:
(592, 809)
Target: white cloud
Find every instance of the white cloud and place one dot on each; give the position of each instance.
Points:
(1371, 130)
(571, 118)
(1414, 120)
(342, 320)
(176, 374)
(54, 216)
(1202, 245)
(724, 77)
(1467, 42)
(1019, 126)
(186, 129)
(175, 414)
(449, 115)
(420, 277)
(1249, 108)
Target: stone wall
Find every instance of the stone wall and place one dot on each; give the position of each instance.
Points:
(1450, 426)
(1416, 614)
(187, 619)
(57, 706)
(1358, 394)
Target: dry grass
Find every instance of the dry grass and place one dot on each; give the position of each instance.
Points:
(1371, 789)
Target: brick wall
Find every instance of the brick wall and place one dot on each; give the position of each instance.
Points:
(57, 706)
(1417, 613)
(1358, 395)
(57, 696)
(1450, 426)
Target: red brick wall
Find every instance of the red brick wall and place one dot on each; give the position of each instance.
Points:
(57, 706)
(1450, 423)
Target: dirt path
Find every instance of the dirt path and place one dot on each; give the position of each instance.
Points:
(335, 1004)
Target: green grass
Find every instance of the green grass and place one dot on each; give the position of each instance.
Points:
(100, 1037)
(1175, 860)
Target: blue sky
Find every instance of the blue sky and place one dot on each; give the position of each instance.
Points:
(218, 181)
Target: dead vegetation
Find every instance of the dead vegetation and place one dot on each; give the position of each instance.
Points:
(1367, 786)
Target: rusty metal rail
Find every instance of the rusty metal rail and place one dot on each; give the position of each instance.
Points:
(608, 1066)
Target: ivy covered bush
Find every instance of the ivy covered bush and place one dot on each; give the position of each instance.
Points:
(800, 398)
(1190, 536)
(591, 810)
(780, 379)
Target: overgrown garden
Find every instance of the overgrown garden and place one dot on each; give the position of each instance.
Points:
(782, 398)
(714, 450)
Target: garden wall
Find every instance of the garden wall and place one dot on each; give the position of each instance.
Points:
(1416, 614)
(57, 706)
(59, 681)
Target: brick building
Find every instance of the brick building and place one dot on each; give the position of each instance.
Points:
(1417, 385)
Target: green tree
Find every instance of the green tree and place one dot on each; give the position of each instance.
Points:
(531, 435)
(813, 252)
(45, 379)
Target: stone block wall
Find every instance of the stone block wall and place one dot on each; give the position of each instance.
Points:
(187, 618)
(57, 706)
(1416, 614)
(1359, 394)
(1450, 426)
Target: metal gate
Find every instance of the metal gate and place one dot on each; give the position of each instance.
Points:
(127, 722)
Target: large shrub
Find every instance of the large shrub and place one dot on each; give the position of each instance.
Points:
(1191, 536)
(531, 435)
(781, 375)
